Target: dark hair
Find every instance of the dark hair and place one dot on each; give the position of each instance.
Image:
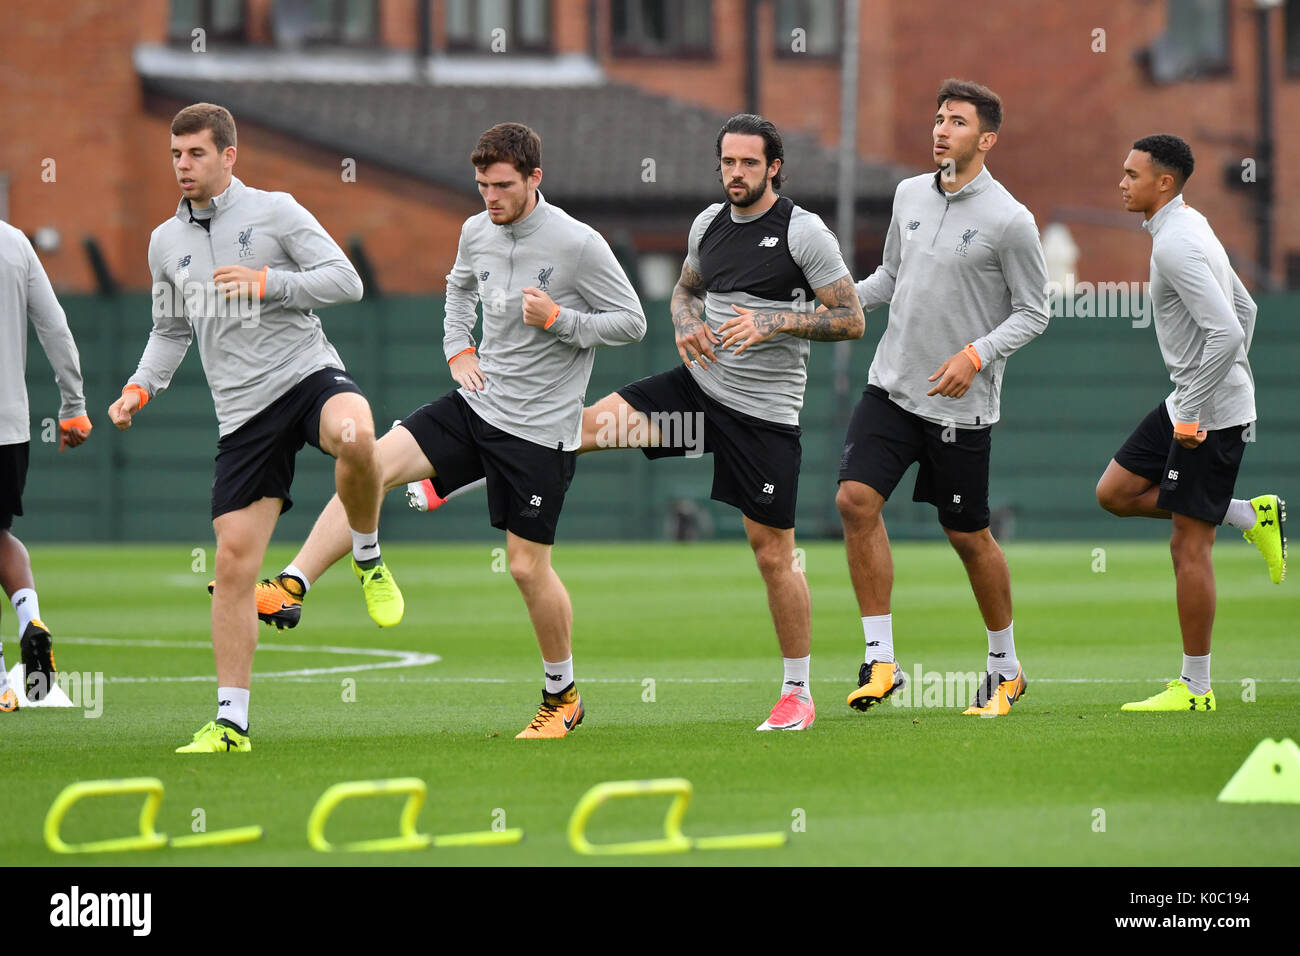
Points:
(201, 116)
(1169, 152)
(748, 124)
(988, 105)
(512, 143)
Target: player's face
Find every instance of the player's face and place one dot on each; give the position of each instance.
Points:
(956, 135)
(744, 169)
(202, 171)
(1139, 190)
(506, 191)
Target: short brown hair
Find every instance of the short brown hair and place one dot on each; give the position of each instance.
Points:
(988, 105)
(512, 143)
(209, 116)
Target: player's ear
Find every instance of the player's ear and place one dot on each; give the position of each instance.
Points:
(228, 157)
(535, 178)
(988, 140)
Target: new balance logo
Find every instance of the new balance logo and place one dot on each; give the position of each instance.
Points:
(555, 677)
(223, 703)
(769, 242)
(1173, 474)
(482, 276)
(999, 655)
(19, 603)
(873, 643)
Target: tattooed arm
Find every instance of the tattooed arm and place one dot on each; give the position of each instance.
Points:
(840, 319)
(695, 340)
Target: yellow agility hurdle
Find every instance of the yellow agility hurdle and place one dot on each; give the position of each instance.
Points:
(149, 838)
(673, 840)
(407, 838)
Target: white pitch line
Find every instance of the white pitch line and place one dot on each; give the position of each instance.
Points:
(403, 658)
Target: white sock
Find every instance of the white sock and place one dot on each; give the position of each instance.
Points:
(4, 671)
(463, 489)
(1241, 514)
(232, 705)
(558, 675)
(1002, 652)
(26, 606)
(1196, 673)
(796, 677)
(293, 572)
(879, 634)
(365, 546)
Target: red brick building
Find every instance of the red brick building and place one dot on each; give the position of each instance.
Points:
(87, 89)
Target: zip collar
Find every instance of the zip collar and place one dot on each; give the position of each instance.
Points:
(973, 188)
(1156, 222)
(530, 223)
(184, 211)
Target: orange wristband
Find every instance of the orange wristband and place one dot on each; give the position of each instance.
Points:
(261, 283)
(470, 350)
(1186, 428)
(551, 321)
(143, 395)
(81, 421)
(974, 356)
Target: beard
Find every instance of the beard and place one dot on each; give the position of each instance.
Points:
(750, 196)
(959, 161)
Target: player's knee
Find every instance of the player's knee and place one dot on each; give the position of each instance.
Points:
(856, 504)
(1107, 497)
(773, 555)
(969, 545)
(526, 567)
(355, 442)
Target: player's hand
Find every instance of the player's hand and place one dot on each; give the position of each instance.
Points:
(120, 412)
(955, 376)
(695, 341)
(74, 431)
(465, 370)
(538, 307)
(1191, 441)
(238, 281)
(748, 327)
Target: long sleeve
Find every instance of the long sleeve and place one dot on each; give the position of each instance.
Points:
(462, 300)
(326, 276)
(617, 317)
(1188, 272)
(51, 325)
(877, 289)
(171, 335)
(1025, 270)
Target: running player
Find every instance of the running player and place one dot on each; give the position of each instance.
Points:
(551, 291)
(1181, 461)
(744, 314)
(242, 270)
(26, 295)
(966, 284)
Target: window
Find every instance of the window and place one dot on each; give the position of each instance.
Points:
(343, 22)
(1291, 27)
(219, 20)
(819, 21)
(1194, 44)
(662, 27)
(474, 25)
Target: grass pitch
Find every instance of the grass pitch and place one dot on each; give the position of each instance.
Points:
(677, 664)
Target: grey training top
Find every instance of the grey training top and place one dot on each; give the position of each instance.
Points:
(250, 359)
(535, 380)
(25, 294)
(1204, 320)
(767, 380)
(959, 268)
